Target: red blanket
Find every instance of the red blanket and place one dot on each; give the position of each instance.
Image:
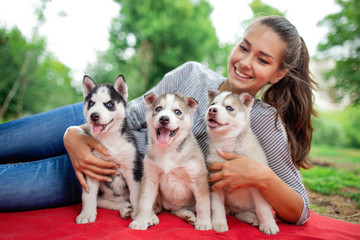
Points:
(59, 223)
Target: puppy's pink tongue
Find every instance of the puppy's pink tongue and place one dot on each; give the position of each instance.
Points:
(164, 137)
(97, 128)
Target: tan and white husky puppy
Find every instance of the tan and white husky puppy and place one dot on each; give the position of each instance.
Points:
(174, 166)
(228, 127)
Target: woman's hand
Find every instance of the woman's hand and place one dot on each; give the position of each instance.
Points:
(79, 147)
(237, 172)
(242, 172)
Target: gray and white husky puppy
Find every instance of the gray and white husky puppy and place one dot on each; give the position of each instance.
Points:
(105, 113)
(174, 166)
(228, 127)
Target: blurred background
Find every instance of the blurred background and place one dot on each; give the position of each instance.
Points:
(46, 46)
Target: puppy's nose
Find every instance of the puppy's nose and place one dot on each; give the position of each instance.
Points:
(94, 116)
(164, 120)
(212, 111)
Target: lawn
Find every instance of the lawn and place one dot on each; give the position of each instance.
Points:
(335, 171)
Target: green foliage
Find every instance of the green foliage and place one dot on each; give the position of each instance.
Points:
(261, 9)
(338, 128)
(328, 131)
(328, 180)
(32, 80)
(350, 119)
(150, 38)
(335, 155)
(343, 44)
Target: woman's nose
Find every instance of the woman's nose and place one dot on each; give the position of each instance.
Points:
(245, 63)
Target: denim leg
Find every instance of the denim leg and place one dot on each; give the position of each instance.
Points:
(39, 136)
(35, 171)
(38, 184)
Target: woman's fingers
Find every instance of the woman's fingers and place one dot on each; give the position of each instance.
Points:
(80, 147)
(227, 155)
(215, 166)
(82, 180)
(215, 177)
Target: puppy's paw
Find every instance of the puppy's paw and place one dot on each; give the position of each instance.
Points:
(158, 209)
(139, 225)
(202, 225)
(154, 220)
(220, 226)
(125, 210)
(86, 217)
(248, 217)
(269, 228)
(187, 215)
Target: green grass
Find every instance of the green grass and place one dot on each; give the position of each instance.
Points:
(332, 154)
(341, 175)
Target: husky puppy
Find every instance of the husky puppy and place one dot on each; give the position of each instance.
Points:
(228, 127)
(174, 164)
(105, 113)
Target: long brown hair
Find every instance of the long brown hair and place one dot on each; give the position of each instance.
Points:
(292, 96)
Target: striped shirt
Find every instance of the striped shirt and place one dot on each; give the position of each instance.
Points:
(194, 79)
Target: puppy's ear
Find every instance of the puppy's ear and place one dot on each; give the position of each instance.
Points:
(150, 98)
(121, 87)
(191, 102)
(88, 85)
(247, 99)
(212, 93)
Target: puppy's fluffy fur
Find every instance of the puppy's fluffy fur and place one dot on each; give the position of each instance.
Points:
(105, 113)
(228, 127)
(174, 165)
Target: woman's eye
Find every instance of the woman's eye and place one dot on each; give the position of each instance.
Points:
(263, 61)
(177, 112)
(158, 109)
(243, 48)
(229, 108)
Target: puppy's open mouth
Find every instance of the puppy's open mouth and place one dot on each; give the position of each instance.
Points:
(98, 128)
(212, 123)
(164, 135)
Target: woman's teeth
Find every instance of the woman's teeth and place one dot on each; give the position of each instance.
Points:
(241, 74)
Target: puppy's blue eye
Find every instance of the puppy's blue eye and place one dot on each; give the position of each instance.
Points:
(158, 109)
(91, 103)
(229, 108)
(109, 104)
(177, 112)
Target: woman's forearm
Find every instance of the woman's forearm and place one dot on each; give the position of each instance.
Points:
(286, 202)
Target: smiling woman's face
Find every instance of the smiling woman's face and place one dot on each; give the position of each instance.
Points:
(255, 61)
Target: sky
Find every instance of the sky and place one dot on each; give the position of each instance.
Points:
(75, 38)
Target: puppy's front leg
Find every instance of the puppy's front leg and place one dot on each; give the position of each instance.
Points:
(264, 213)
(134, 189)
(218, 212)
(89, 201)
(200, 189)
(149, 190)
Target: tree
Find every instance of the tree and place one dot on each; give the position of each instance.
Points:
(32, 80)
(343, 44)
(261, 9)
(150, 38)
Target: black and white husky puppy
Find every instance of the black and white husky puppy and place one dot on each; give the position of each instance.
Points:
(105, 113)
(174, 166)
(228, 127)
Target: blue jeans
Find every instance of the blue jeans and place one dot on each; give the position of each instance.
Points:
(35, 170)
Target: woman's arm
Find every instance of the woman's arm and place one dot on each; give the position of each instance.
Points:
(79, 147)
(242, 172)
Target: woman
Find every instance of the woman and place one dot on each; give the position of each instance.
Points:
(271, 55)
